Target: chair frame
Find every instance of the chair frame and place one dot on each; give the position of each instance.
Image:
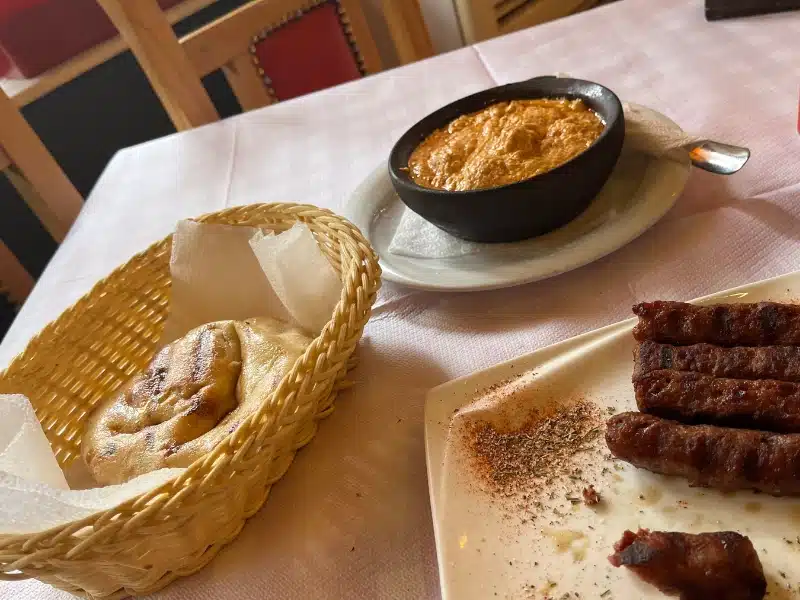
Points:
(410, 35)
(15, 281)
(175, 67)
(40, 182)
(35, 173)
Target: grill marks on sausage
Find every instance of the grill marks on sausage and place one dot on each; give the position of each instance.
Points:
(697, 398)
(665, 358)
(729, 365)
(707, 455)
(719, 391)
(701, 566)
(765, 323)
(766, 362)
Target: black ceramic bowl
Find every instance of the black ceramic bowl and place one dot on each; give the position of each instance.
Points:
(529, 207)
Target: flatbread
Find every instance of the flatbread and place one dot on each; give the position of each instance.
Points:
(194, 393)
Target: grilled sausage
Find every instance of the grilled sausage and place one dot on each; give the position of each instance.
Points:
(706, 455)
(762, 324)
(720, 566)
(696, 398)
(766, 362)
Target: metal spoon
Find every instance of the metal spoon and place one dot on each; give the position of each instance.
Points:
(716, 157)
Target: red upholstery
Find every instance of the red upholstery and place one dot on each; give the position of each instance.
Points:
(11, 7)
(307, 54)
(36, 35)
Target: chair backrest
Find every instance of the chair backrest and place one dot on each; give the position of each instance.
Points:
(261, 47)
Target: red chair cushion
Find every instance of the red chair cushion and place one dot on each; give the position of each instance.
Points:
(11, 7)
(36, 35)
(309, 53)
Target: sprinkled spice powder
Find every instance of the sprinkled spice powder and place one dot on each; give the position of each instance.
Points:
(523, 460)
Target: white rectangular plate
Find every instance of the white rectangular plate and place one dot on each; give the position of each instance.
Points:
(484, 552)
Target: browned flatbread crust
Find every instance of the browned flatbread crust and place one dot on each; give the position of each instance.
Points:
(193, 393)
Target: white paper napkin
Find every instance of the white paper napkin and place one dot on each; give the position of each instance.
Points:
(418, 238)
(24, 449)
(645, 132)
(216, 275)
(309, 294)
(224, 272)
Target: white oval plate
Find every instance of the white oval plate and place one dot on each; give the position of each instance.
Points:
(639, 192)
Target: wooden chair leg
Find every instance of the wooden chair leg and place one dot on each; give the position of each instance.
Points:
(15, 281)
(56, 202)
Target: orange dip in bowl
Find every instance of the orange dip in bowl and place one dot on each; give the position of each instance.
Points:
(504, 143)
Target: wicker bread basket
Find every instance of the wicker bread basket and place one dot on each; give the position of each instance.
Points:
(94, 346)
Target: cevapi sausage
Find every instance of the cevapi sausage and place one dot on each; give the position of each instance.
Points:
(762, 324)
(708, 456)
(744, 362)
(722, 565)
(696, 398)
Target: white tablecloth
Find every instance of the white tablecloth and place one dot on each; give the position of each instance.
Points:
(352, 518)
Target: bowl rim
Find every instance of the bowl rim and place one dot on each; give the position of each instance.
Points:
(405, 179)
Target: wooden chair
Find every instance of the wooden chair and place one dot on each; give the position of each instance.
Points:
(39, 180)
(257, 48)
(408, 30)
(15, 282)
